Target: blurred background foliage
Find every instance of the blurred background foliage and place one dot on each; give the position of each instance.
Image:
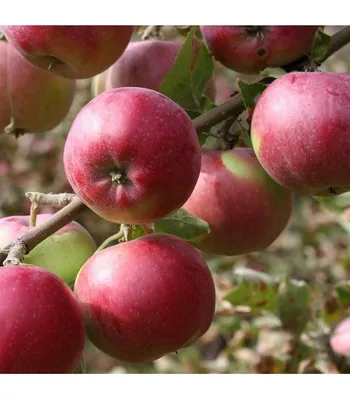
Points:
(275, 309)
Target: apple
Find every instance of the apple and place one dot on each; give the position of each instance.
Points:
(145, 298)
(340, 338)
(132, 155)
(63, 253)
(245, 209)
(144, 64)
(35, 99)
(74, 52)
(251, 49)
(300, 132)
(42, 328)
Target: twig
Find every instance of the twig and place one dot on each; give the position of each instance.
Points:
(49, 199)
(339, 40)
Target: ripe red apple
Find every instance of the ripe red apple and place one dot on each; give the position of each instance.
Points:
(36, 100)
(63, 253)
(70, 51)
(251, 49)
(340, 338)
(144, 64)
(42, 328)
(245, 208)
(145, 298)
(132, 155)
(301, 132)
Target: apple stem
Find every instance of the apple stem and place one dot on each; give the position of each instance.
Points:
(34, 208)
(113, 238)
(16, 253)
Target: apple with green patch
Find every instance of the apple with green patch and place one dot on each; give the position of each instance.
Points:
(63, 253)
(245, 209)
(300, 132)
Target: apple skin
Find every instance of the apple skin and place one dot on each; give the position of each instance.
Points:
(251, 49)
(300, 132)
(150, 145)
(145, 64)
(63, 253)
(245, 208)
(145, 298)
(340, 338)
(74, 52)
(37, 100)
(42, 327)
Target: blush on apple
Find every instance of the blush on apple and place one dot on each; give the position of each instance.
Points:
(245, 209)
(145, 298)
(63, 253)
(74, 52)
(32, 99)
(132, 155)
(251, 49)
(42, 328)
(301, 132)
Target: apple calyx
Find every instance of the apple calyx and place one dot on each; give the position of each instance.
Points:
(119, 176)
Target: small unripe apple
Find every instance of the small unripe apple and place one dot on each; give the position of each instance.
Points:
(32, 99)
(145, 298)
(245, 209)
(251, 49)
(132, 155)
(63, 253)
(340, 338)
(42, 328)
(300, 132)
(74, 52)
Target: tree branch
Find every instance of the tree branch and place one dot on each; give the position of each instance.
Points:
(232, 107)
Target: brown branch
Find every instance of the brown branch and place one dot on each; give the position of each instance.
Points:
(339, 40)
(232, 107)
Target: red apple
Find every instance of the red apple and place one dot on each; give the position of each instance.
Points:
(70, 51)
(340, 338)
(145, 64)
(301, 132)
(42, 328)
(36, 100)
(245, 209)
(63, 253)
(145, 298)
(132, 155)
(251, 49)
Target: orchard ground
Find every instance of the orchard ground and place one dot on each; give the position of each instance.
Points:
(314, 248)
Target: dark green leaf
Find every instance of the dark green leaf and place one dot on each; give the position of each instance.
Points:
(185, 83)
(343, 294)
(293, 305)
(321, 46)
(253, 289)
(250, 92)
(183, 224)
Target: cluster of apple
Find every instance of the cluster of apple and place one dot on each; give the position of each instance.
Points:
(132, 155)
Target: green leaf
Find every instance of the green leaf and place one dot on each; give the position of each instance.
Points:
(183, 224)
(185, 83)
(321, 46)
(336, 204)
(81, 368)
(137, 231)
(293, 305)
(343, 294)
(250, 92)
(253, 289)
